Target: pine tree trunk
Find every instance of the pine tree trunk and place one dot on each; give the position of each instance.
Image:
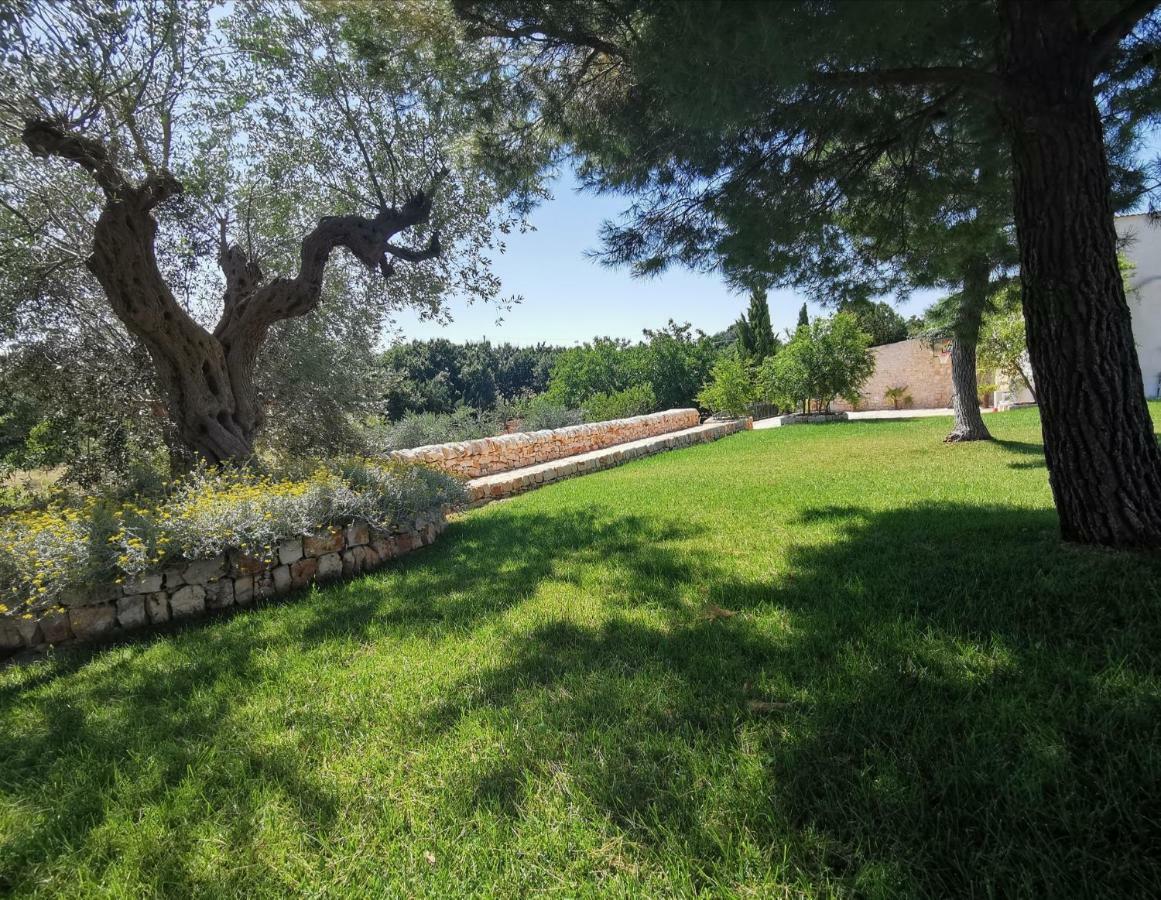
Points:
(965, 401)
(1103, 460)
(969, 422)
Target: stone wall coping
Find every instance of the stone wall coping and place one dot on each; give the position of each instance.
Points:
(500, 485)
(477, 445)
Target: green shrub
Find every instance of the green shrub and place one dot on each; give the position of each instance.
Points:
(45, 551)
(730, 390)
(633, 401)
(825, 359)
(389, 492)
(421, 429)
(673, 361)
(541, 412)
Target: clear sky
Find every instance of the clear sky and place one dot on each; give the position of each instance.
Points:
(569, 298)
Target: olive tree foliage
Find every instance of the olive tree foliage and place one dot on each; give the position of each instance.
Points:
(1004, 342)
(75, 388)
(248, 192)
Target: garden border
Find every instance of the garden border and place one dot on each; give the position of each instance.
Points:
(201, 586)
(195, 588)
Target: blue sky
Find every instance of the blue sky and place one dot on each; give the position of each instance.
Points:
(569, 298)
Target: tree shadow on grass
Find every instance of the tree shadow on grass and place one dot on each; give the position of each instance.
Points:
(949, 701)
(1034, 452)
(944, 701)
(82, 732)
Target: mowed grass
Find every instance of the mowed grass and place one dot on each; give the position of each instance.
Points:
(922, 693)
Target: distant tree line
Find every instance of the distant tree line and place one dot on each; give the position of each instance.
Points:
(438, 376)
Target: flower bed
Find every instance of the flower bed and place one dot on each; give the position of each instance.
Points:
(217, 539)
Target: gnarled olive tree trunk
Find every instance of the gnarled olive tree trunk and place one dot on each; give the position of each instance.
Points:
(969, 422)
(209, 377)
(1103, 460)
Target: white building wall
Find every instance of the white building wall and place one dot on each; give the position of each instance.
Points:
(1141, 243)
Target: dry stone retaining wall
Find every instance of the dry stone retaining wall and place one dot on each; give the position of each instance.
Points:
(201, 586)
(504, 484)
(488, 456)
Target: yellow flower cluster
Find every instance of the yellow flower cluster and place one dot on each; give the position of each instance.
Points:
(40, 550)
(43, 552)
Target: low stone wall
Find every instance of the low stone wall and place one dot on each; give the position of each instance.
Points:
(496, 487)
(488, 456)
(206, 585)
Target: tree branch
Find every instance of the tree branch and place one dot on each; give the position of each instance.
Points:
(156, 189)
(558, 34)
(918, 76)
(45, 139)
(368, 240)
(1105, 39)
(432, 249)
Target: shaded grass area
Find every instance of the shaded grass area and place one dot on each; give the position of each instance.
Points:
(921, 692)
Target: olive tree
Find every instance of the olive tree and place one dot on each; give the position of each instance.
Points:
(214, 173)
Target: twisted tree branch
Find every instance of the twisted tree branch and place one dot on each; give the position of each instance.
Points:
(432, 249)
(209, 378)
(45, 139)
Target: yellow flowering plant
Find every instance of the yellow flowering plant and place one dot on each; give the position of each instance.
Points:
(45, 552)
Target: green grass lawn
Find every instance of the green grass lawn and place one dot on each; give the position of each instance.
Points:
(922, 692)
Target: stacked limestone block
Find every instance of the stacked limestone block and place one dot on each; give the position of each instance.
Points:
(505, 484)
(202, 586)
(487, 456)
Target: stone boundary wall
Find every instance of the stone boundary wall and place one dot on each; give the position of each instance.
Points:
(203, 586)
(489, 456)
(921, 366)
(485, 490)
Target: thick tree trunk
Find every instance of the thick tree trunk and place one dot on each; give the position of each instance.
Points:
(209, 378)
(1103, 460)
(965, 401)
(211, 407)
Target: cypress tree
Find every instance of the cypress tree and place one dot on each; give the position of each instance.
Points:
(756, 339)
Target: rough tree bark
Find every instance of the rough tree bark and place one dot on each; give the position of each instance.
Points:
(969, 422)
(209, 378)
(1103, 460)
